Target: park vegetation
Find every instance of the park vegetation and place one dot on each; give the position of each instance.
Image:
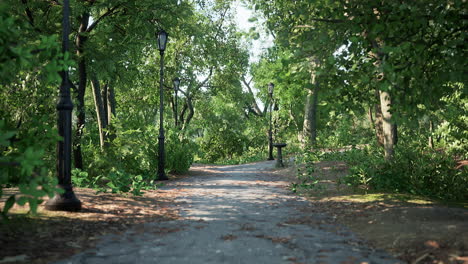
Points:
(385, 77)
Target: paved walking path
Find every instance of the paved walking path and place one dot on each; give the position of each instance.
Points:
(236, 214)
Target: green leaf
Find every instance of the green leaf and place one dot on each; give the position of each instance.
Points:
(22, 200)
(4, 138)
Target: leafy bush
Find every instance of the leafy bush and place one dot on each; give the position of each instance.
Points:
(452, 133)
(22, 165)
(29, 79)
(251, 155)
(223, 144)
(424, 172)
(179, 152)
(305, 171)
(130, 163)
(81, 179)
(114, 181)
(133, 151)
(414, 170)
(344, 129)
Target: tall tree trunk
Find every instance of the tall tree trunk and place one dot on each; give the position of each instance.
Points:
(378, 122)
(80, 93)
(105, 102)
(310, 119)
(173, 108)
(431, 130)
(309, 129)
(100, 112)
(110, 105)
(190, 113)
(182, 113)
(389, 129)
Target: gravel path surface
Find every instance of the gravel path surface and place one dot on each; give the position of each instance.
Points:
(236, 214)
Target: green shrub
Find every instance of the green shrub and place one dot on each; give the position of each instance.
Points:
(22, 165)
(82, 179)
(424, 172)
(114, 181)
(135, 151)
(130, 163)
(414, 170)
(248, 156)
(344, 129)
(179, 153)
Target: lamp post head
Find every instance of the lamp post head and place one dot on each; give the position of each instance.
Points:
(162, 40)
(176, 83)
(271, 87)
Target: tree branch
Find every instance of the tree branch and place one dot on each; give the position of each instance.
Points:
(334, 21)
(182, 91)
(206, 79)
(30, 16)
(255, 109)
(109, 12)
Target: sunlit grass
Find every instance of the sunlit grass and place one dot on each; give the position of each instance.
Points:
(390, 198)
(385, 197)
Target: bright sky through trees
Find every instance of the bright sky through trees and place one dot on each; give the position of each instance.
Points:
(265, 41)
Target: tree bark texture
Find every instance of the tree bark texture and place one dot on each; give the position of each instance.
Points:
(80, 93)
(174, 112)
(190, 113)
(378, 122)
(309, 129)
(110, 105)
(388, 128)
(182, 113)
(431, 131)
(105, 102)
(100, 112)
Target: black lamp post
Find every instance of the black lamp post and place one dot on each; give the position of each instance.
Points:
(271, 87)
(176, 89)
(162, 40)
(66, 201)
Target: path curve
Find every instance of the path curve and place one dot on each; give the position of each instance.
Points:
(236, 214)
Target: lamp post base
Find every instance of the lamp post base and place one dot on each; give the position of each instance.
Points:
(162, 157)
(270, 150)
(64, 202)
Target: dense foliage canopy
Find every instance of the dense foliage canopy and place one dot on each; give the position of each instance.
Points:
(388, 75)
